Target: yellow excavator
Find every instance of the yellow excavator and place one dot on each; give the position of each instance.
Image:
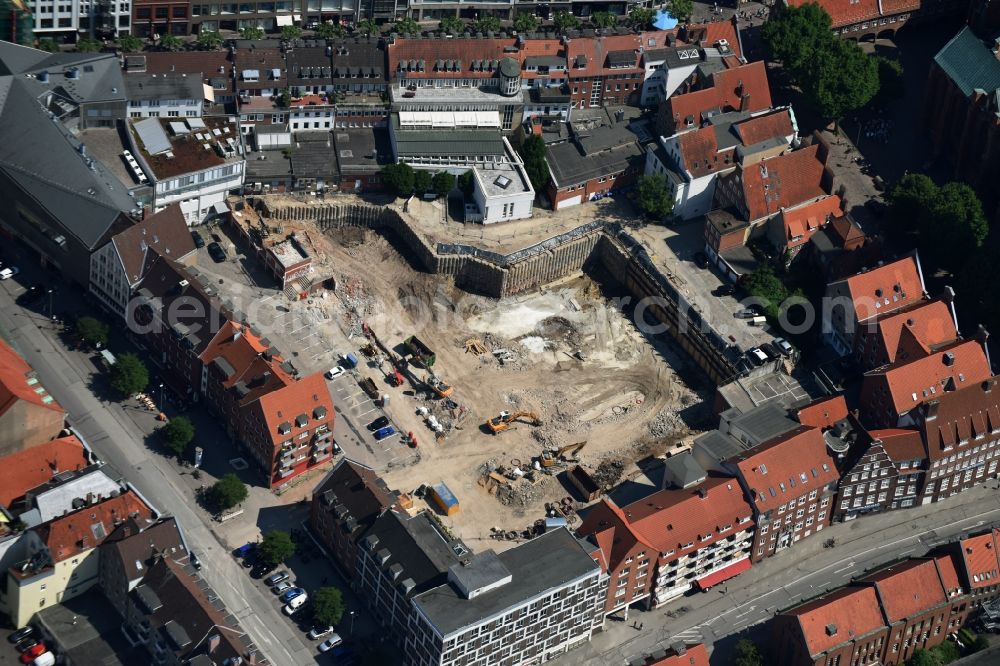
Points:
(440, 389)
(502, 422)
(549, 458)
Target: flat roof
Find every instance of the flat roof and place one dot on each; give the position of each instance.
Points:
(362, 149)
(175, 85)
(289, 253)
(191, 151)
(402, 97)
(87, 629)
(502, 178)
(571, 167)
(545, 563)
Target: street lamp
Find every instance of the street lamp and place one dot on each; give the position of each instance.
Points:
(51, 316)
(161, 396)
(352, 622)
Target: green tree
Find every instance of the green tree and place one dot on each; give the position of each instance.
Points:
(841, 78)
(641, 17)
(747, 654)
(229, 491)
(129, 375)
(653, 197)
(465, 184)
(209, 39)
(93, 331)
(330, 31)
(170, 42)
(768, 289)
(406, 26)
(328, 606)
(276, 547)
(398, 178)
(488, 23)
(566, 21)
(909, 199)
(604, 20)
(88, 45)
(680, 9)
(51, 46)
(532, 151)
(422, 181)
(525, 22)
(291, 32)
(890, 79)
(177, 434)
(367, 27)
(452, 25)
(443, 183)
(796, 34)
(251, 32)
(946, 652)
(129, 43)
(923, 658)
(979, 644)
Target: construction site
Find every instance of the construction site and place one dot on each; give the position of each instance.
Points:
(526, 407)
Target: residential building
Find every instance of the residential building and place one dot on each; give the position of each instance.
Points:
(979, 566)
(61, 219)
(196, 162)
(841, 627)
(171, 615)
(344, 505)
(261, 77)
(117, 268)
(841, 249)
(78, 18)
(906, 334)
(743, 88)
(881, 472)
(528, 604)
(63, 493)
(61, 557)
(889, 393)
(214, 67)
(125, 561)
(793, 228)
(864, 20)
(160, 17)
(675, 66)
(960, 106)
(859, 300)
(399, 557)
(269, 16)
(29, 416)
(173, 95)
(29, 468)
(790, 481)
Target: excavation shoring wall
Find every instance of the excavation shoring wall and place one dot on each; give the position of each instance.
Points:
(498, 275)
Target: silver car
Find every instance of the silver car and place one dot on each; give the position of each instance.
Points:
(281, 587)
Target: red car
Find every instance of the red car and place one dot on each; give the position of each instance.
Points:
(29, 655)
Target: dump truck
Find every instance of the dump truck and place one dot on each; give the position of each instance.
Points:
(503, 421)
(421, 353)
(368, 386)
(440, 389)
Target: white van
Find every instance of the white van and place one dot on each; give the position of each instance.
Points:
(757, 321)
(295, 603)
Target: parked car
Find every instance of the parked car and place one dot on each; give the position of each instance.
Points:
(243, 550)
(199, 242)
(330, 643)
(378, 423)
(216, 252)
(771, 350)
(757, 357)
(195, 562)
(250, 559)
(319, 632)
(784, 346)
(9, 272)
(701, 260)
(20, 634)
(745, 313)
(288, 595)
(724, 290)
(261, 569)
(278, 588)
(382, 433)
(334, 372)
(276, 578)
(26, 643)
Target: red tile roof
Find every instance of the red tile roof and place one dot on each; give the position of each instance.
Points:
(765, 126)
(926, 326)
(241, 349)
(460, 49)
(886, 288)
(700, 152)
(910, 384)
(900, 443)
(979, 556)
(949, 574)
(845, 12)
(613, 533)
(786, 467)
(801, 222)
(908, 589)
(596, 51)
(725, 94)
(17, 382)
(823, 413)
(961, 417)
(782, 182)
(24, 470)
(302, 397)
(694, 655)
(87, 528)
(670, 519)
(838, 617)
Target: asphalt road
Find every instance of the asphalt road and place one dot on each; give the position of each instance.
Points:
(116, 440)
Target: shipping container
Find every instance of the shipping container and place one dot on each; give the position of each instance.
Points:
(444, 498)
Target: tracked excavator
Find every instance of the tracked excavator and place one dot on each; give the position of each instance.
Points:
(502, 422)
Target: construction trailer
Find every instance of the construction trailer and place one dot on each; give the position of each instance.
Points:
(444, 498)
(584, 482)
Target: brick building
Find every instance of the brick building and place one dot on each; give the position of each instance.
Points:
(29, 416)
(883, 470)
(124, 561)
(906, 334)
(743, 88)
(979, 566)
(160, 17)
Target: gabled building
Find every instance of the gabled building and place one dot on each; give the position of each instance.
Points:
(30, 468)
(906, 334)
(678, 654)
(214, 68)
(261, 77)
(344, 505)
(743, 88)
(125, 560)
(29, 415)
(882, 470)
(979, 566)
(794, 227)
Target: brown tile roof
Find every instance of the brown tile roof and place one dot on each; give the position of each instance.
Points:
(596, 50)
(24, 470)
(463, 50)
(786, 467)
(765, 126)
(711, 33)
(17, 382)
(908, 589)
(700, 152)
(838, 617)
(241, 349)
(264, 60)
(823, 413)
(846, 12)
(165, 233)
(846, 230)
(358, 489)
(88, 527)
(979, 557)
(137, 551)
(670, 519)
(885, 288)
(924, 327)
(961, 416)
(694, 655)
(207, 63)
(286, 404)
(912, 383)
(782, 182)
(900, 443)
(801, 222)
(725, 94)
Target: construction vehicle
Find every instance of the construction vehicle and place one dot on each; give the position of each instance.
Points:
(421, 353)
(440, 389)
(368, 350)
(502, 422)
(549, 458)
(395, 378)
(368, 386)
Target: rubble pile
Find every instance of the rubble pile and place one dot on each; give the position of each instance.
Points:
(609, 472)
(665, 424)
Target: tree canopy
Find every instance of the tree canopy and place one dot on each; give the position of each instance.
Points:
(747, 654)
(422, 181)
(653, 197)
(129, 375)
(209, 39)
(252, 32)
(330, 31)
(229, 491)
(890, 79)
(525, 22)
(87, 45)
(129, 43)
(407, 26)
(451, 25)
(177, 434)
(488, 23)
(398, 178)
(170, 42)
(680, 9)
(566, 21)
(328, 606)
(290, 32)
(796, 35)
(367, 27)
(93, 331)
(443, 183)
(51, 46)
(604, 19)
(641, 17)
(276, 547)
(465, 183)
(533, 153)
(768, 289)
(923, 658)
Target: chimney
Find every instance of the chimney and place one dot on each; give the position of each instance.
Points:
(949, 359)
(982, 336)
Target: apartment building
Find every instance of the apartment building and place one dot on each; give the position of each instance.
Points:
(124, 562)
(72, 19)
(979, 566)
(906, 334)
(29, 416)
(173, 95)
(25, 470)
(214, 67)
(527, 605)
(743, 88)
(883, 470)
(160, 17)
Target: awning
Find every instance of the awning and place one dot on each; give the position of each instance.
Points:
(281, 20)
(209, 92)
(726, 573)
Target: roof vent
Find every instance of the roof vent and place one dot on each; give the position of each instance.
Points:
(831, 630)
(949, 359)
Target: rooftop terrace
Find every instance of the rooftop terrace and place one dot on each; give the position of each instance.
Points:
(175, 146)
